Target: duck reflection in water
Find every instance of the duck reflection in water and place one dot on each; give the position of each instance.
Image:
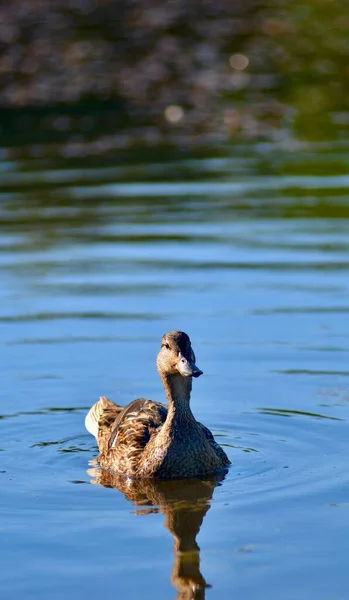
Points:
(184, 503)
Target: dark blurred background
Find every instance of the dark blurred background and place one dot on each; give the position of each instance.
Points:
(116, 73)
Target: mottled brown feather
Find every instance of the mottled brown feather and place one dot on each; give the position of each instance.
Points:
(130, 432)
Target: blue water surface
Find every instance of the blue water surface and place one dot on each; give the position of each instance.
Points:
(252, 262)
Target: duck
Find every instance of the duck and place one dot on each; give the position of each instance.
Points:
(147, 439)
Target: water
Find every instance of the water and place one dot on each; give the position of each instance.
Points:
(247, 251)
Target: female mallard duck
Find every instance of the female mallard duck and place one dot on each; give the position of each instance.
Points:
(147, 439)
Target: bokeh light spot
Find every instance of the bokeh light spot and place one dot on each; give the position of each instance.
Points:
(239, 61)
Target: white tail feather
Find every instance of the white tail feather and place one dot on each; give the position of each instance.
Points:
(94, 414)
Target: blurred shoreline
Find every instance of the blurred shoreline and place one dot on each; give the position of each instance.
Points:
(120, 73)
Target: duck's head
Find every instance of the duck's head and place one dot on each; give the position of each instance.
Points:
(176, 355)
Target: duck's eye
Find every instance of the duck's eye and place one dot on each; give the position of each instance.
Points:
(166, 346)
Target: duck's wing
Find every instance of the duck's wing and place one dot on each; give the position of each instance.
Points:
(217, 448)
(130, 433)
(124, 430)
(136, 423)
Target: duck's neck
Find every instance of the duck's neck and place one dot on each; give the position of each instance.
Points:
(177, 390)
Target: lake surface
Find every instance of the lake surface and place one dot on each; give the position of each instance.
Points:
(248, 252)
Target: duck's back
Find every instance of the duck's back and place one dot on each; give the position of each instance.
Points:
(123, 433)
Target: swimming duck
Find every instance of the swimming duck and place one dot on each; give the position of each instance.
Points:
(148, 439)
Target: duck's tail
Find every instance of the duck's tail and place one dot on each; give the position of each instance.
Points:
(102, 414)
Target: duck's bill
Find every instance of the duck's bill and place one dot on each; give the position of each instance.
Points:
(187, 368)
